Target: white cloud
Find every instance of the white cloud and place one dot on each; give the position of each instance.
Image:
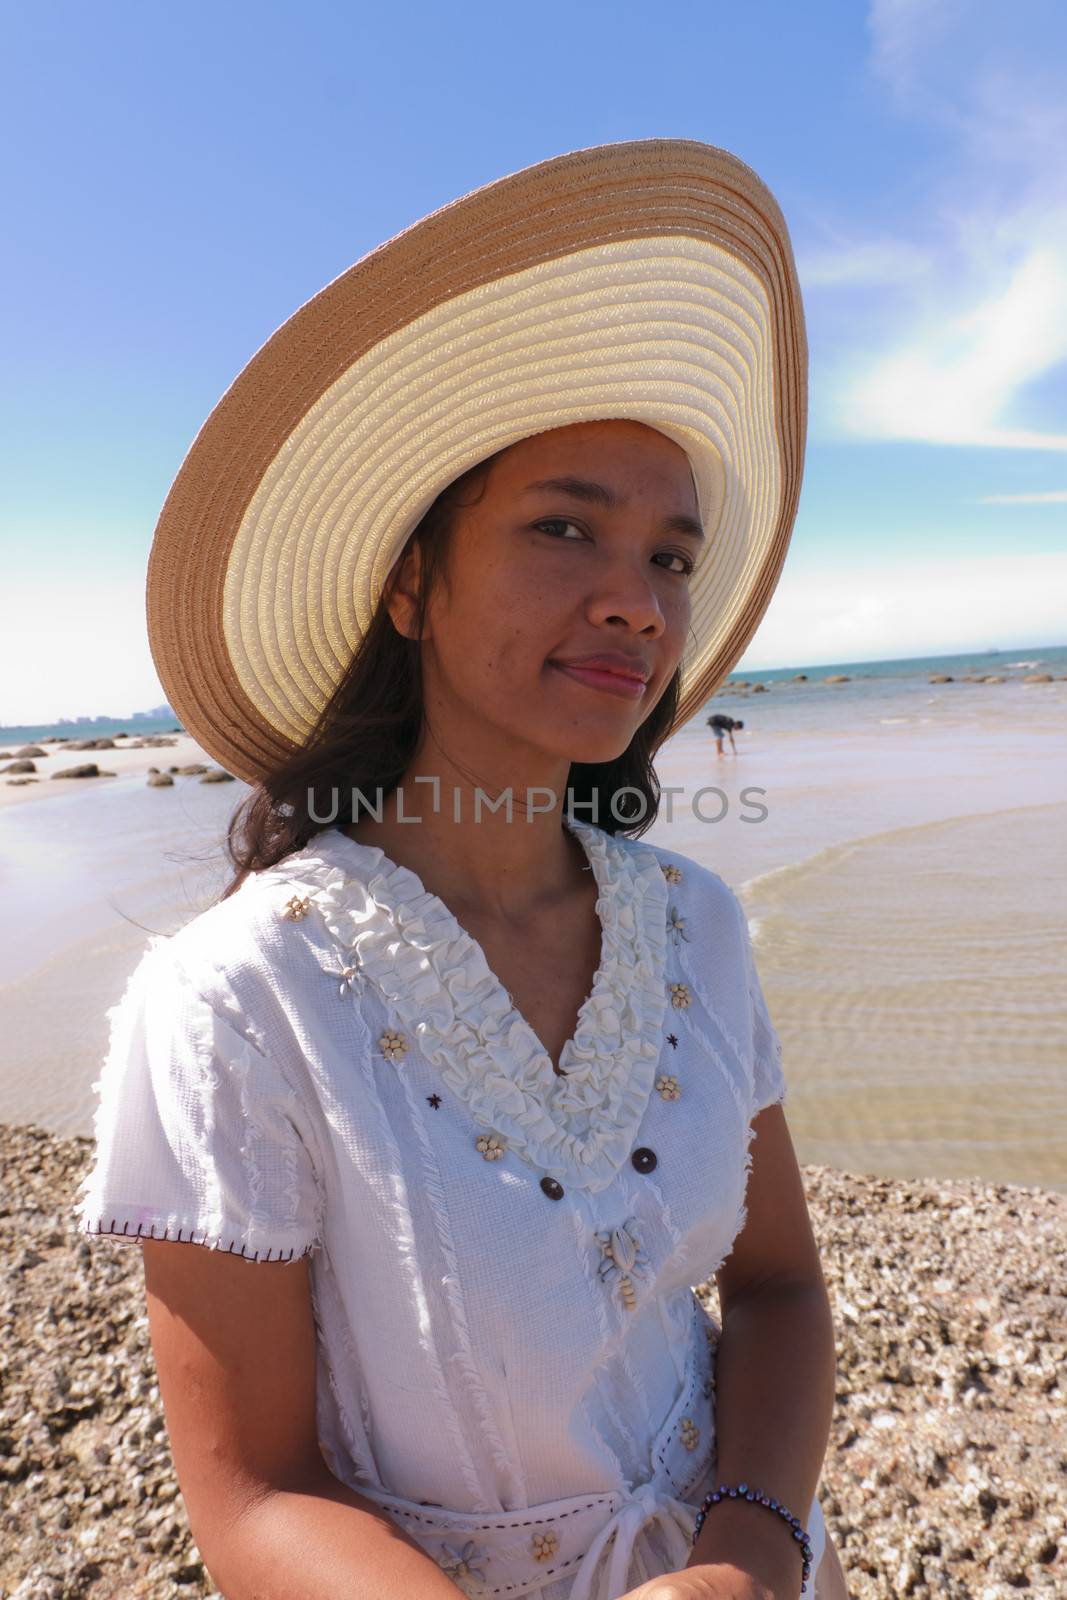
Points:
(870, 263)
(871, 612)
(902, 33)
(1010, 121)
(954, 381)
(988, 320)
(1053, 497)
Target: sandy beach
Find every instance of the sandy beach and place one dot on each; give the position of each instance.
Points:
(943, 1478)
(129, 757)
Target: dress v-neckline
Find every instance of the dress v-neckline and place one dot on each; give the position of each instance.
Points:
(578, 1126)
(596, 859)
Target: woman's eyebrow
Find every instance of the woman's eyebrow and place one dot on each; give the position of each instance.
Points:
(600, 494)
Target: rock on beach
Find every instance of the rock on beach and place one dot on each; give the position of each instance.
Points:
(26, 774)
(945, 1474)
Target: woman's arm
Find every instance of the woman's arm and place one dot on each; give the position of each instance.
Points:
(775, 1369)
(774, 1402)
(322, 1539)
(234, 1345)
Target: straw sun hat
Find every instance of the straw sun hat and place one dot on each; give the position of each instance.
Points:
(652, 280)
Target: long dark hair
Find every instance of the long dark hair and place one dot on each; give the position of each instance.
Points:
(369, 728)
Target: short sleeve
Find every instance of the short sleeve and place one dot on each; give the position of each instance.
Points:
(199, 1136)
(769, 1085)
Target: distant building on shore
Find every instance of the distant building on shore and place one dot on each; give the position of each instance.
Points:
(157, 714)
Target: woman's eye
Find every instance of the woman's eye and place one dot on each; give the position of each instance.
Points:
(556, 522)
(684, 571)
(687, 567)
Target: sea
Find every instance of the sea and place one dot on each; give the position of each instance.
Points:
(899, 846)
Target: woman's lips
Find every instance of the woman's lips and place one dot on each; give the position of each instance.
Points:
(609, 682)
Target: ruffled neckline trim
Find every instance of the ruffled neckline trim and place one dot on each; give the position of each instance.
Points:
(436, 979)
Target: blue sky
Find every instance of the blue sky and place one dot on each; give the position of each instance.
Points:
(180, 179)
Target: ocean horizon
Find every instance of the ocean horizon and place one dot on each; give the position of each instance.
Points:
(1016, 660)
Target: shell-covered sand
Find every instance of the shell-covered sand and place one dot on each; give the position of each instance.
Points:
(946, 1472)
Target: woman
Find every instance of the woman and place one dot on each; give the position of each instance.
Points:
(473, 1082)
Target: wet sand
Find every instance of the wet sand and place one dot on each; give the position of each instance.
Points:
(918, 981)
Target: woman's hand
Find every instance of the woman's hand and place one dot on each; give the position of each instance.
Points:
(711, 1581)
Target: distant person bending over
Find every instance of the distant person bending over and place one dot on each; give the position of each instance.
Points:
(720, 725)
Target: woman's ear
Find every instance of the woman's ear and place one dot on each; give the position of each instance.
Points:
(402, 587)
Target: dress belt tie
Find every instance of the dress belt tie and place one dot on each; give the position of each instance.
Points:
(645, 1505)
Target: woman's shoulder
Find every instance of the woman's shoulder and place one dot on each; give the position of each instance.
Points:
(688, 879)
(246, 940)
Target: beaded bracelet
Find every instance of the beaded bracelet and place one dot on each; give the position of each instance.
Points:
(724, 1492)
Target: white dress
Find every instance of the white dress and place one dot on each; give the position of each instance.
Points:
(511, 1359)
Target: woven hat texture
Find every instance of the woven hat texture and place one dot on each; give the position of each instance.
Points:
(652, 280)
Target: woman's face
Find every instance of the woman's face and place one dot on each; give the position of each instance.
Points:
(541, 576)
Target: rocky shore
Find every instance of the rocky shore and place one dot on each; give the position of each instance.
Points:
(946, 1473)
(32, 772)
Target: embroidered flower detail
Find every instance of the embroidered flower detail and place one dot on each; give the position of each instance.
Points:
(297, 907)
(676, 926)
(434, 1099)
(545, 1545)
(668, 1087)
(690, 1433)
(348, 976)
(462, 1563)
(491, 1147)
(622, 1260)
(672, 1040)
(672, 873)
(680, 995)
(394, 1046)
(709, 1387)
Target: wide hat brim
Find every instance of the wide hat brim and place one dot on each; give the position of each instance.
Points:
(652, 280)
